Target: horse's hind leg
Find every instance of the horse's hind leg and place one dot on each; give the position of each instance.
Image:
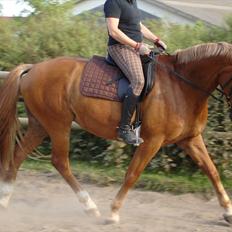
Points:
(33, 137)
(195, 147)
(60, 160)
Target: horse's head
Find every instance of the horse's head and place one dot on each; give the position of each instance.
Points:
(225, 81)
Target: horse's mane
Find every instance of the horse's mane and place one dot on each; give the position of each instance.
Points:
(202, 51)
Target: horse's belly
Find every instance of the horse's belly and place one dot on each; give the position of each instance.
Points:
(99, 117)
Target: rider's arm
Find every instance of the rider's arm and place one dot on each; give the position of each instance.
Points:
(152, 37)
(148, 34)
(117, 34)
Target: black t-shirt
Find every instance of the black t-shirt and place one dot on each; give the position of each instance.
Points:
(129, 18)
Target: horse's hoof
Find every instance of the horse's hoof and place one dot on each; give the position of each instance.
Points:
(228, 218)
(6, 190)
(93, 212)
(4, 201)
(112, 220)
(2, 207)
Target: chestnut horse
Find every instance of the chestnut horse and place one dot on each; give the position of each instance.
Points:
(173, 112)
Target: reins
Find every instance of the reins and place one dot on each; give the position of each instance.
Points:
(187, 81)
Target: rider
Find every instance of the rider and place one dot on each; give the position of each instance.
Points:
(125, 47)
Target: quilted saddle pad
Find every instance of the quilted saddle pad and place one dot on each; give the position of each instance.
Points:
(100, 80)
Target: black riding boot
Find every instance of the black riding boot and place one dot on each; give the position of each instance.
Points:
(125, 131)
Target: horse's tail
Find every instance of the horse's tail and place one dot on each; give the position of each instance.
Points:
(9, 124)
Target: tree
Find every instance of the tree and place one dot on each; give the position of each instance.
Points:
(50, 31)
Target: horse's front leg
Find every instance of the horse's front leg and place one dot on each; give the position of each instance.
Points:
(143, 154)
(195, 147)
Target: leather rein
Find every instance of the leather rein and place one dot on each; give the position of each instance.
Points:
(192, 84)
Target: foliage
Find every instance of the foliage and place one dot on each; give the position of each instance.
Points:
(52, 30)
(97, 174)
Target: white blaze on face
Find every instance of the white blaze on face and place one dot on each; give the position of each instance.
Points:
(6, 190)
(87, 202)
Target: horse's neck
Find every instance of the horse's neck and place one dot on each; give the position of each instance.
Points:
(203, 73)
(170, 83)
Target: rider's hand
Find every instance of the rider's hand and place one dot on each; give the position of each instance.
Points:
(143, 49)
(160, 44)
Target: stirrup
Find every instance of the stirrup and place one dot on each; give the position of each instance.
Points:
(137, 130)
(130, 136)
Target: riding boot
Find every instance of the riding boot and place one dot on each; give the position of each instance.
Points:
(125, 131)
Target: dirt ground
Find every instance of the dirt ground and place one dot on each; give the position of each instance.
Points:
(45, 203)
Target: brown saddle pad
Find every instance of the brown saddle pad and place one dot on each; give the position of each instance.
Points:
(99, 79)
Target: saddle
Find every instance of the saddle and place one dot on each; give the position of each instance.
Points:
(102, 78)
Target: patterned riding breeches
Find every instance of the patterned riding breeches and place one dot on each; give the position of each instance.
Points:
(128, 60)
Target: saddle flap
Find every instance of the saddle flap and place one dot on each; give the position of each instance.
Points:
(149, 75)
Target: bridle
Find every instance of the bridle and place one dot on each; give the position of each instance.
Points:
(227, 96)
(194, 85)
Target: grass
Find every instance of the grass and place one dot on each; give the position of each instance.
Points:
(176, 183)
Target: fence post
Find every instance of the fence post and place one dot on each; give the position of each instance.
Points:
(24, 123)
(3, 74)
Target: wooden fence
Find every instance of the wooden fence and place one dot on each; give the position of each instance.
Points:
(24, 123)
(3, 74)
